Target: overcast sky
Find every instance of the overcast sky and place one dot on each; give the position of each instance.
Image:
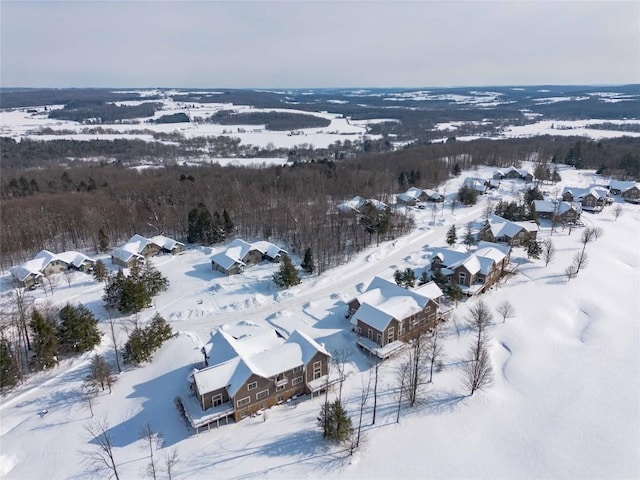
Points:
(318, 44)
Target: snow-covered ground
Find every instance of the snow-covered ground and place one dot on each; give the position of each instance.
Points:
(564, 404)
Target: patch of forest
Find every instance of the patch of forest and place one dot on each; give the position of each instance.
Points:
(31, 97)
(97, 112)
(278, 121)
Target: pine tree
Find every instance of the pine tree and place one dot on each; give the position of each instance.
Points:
(113, 290)
(468, 237)
(307, 262)
(100, 271)
(144, 341)
(451, 235)
(9, 367)
(456, 170)
(154, 281)
(103, 241)
(454, 292)
(158, 332)
(533, 249)
(287, 276)
(334, 421)
(45, 342)
(135, 350)
(228, 225)
(78, 329)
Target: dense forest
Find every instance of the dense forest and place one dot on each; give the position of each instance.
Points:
(61, 208)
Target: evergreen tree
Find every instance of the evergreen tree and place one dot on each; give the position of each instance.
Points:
(468, 237)
(103, 241)
(406, 278)
(154, 281)
(456, 170)
(334, 421)
(113, 290)
(78, 329)
(467, 195)
(307, 263)
(9, 367)
(533, 249)
(45, 342)
(453, 292)
(144, 341)
(158, 332)
(228, 225)
(424, 278)
(287, 275)
(451, 235)
(439, 279)
(100, 271)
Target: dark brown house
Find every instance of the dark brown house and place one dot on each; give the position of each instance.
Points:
(251, 368)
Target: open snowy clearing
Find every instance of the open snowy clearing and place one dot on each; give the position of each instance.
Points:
(564, 404)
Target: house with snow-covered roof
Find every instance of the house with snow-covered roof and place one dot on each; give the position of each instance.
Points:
(139, 248)
(513, 173)
(239, 254)
(47, 263)
(356, 204)
(386, 315)
(629, 190)
(591, 199)
(474, 271)
(501, 230)
(559, 212)
(250, 368)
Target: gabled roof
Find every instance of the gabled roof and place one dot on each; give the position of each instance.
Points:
(238, 351)
(579, 193)
(384, 301)
(237, 251)
(165, 242)
(622, 185)
(410, 195)
(352, 205)
(474, 183)
(43, 258)
(268, 249)
(125, 255)
(501, 227)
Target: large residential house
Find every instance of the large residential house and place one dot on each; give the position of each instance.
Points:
(239, 254)
(628, 190)
(139, 248)
(478, 185)
(474, 271)
(514, 234)
(356, 204)
(415, 195)
(386, 315)
(559, 212)
(47, 263)
(591, 199)
(513, 173)
(251, 368)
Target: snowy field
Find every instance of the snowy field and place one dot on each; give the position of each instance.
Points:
(564, 403)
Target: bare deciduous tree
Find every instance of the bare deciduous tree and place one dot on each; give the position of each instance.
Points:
(590, 234)
(435, 351)
(115, 341)
(69, 275)
(478, 369)
(170, 461)
(617, 211)
(506, 310)
(339, 358)
(580, 260)
(101, 459)
(364, 396)
(151, 439)
(402, 377)
(548, 251)
(89, 393)
(375, 391)
(479, 319)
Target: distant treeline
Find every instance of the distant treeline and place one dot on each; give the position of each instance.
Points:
(98, 112)
(280, 121)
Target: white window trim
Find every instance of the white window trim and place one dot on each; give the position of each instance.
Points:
(252, 386)
(243, 401)
(258, 397)
(296, 381)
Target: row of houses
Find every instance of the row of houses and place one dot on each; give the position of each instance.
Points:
(416, 195)
(45, 263)
(138, 249)
(240, 254)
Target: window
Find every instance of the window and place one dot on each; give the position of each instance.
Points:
(390, 335)
(462, 276)
(379, 339)
(317, 370)
(298, 368)
(243, 401)
(252, 386)
(280, 388)
(296, 381)
(370, 334)
(359, 330)
(401, 329)
(217, 400)
(428, 309)
(262, 394)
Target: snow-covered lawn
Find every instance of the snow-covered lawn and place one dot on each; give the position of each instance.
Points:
(564, 403)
